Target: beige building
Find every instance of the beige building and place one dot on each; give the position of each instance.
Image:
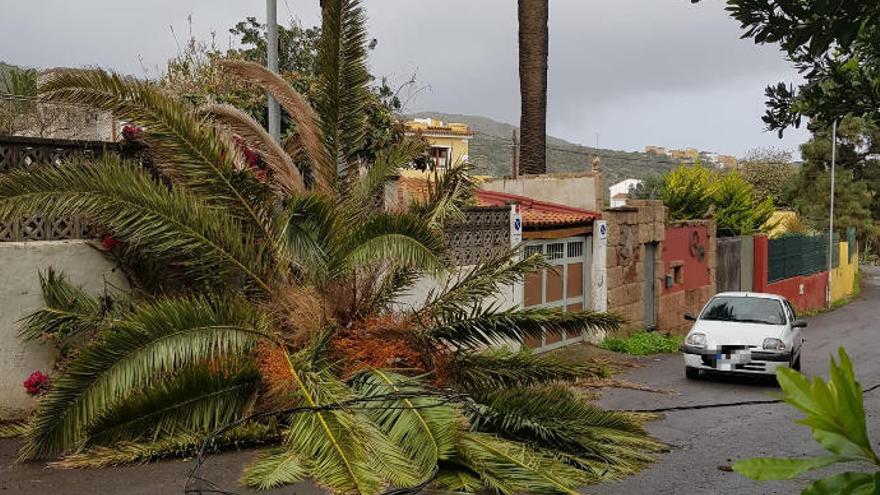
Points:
(448, 143)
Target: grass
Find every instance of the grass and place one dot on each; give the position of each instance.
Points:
(643, 343)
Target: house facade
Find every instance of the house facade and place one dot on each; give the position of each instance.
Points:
(448, 144)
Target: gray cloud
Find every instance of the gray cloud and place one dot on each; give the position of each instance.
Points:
(638, 72)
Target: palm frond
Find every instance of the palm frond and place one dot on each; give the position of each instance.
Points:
(605, 443)
(13, 429)
(395, 282)
(455, 479)
(360, 200)
(277, 467)
(196, 399)
(306, 228)
(180, 444)
(308, 130)
(392, 237)
(502, 368)
(157, 340)
(183, 146)
(241, 124)
(333, 442)
(509, 467)
(461, 294)
(173, 225)
(488, 327)
(448, 194)
(342, 81)
(69, 311)
(424, 426)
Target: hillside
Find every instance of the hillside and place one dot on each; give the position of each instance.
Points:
(490, 152)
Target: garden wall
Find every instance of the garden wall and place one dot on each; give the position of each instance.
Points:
(689, 261)
(20, 294)
(843, 278)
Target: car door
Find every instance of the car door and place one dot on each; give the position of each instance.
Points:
(795, 333)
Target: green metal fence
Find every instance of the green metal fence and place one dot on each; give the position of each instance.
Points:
(796, 255)
(851, 242)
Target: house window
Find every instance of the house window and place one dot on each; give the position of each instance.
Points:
(439, 156)
(678, 274)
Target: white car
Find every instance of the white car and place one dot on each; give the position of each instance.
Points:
(743, 332)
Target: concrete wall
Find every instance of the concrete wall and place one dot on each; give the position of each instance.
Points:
(20, 295)
(689, 251)
(843, 278)
(579, 190)
(630, 228)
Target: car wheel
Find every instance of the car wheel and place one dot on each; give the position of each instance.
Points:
(691, 373)
(796, 365)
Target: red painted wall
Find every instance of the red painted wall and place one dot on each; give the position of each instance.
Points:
(814, 286)
(678, 247)
(813, 297)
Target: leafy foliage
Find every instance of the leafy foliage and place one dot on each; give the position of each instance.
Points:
(643, 343)
(772, 175)
(687, 192)
(835, 413)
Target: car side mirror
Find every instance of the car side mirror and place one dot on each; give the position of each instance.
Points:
(799, 324)
(690, 317)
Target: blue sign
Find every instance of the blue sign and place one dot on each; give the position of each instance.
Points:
(517, 224)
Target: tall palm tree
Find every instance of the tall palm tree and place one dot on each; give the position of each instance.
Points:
(533, 52)
(276, 296)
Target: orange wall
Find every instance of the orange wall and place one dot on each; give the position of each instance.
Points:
(677, 250)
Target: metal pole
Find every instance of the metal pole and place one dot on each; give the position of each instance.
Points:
(831, 213)
(272, 64)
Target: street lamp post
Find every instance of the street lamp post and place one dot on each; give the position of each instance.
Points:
(831, 210)
(272, 64)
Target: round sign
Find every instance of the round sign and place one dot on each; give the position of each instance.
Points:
(517, 224)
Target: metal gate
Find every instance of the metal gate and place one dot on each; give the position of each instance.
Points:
(729, 276)
(650, 293)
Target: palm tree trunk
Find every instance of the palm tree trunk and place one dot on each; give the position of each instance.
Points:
(533, 52)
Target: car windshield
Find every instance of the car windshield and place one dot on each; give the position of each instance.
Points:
(744, 310)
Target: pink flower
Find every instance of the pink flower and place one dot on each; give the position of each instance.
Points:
(37, 383)
(109, 242)
(131, 132)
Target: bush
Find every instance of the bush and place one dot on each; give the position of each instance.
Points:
(642, 343)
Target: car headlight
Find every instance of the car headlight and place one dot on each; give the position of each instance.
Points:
(772, 344)
(696, 339)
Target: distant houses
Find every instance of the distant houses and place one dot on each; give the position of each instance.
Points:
(691, 155)
(448, 144)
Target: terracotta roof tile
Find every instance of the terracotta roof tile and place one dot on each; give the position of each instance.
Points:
(539, 214)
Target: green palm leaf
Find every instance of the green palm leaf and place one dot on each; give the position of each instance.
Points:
(184, 146)
(489, 327)
(497, 369)
(460, 294)
(277, 467)
(554, 418)
(69, 311)
(424, 426)
(171, 225)
(197, 399)
(342, 82)
(509, 467)
(397, 237)
(156, 340)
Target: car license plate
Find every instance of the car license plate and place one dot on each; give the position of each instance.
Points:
(729, 360)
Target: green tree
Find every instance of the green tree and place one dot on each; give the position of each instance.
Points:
(835, 45)
(284, 301)
(687, 192)
(772, 174)
(836, 415)
(738, 211)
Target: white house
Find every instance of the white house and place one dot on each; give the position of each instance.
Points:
(619, 191)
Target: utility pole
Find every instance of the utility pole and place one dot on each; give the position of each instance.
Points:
(272, 64)
(514, 170)
(831, 213)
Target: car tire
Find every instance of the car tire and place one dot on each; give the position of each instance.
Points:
(691, 373)
(796, 365)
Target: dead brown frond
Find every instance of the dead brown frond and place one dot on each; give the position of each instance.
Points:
(380, 341)
(242, 125)
(299, 313)
(296, 105)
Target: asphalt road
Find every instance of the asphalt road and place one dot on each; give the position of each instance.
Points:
(703, 441)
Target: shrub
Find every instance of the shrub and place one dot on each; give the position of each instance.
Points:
(642, 343)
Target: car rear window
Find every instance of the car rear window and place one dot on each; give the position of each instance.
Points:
(744, 310)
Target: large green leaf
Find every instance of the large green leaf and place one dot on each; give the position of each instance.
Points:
(844, 484)
(157, 340)
(275, 468)
(69, 311)
(781, 468)
(502, 368)
(170, 225)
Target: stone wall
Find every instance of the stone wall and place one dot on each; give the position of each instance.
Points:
(630, 228)
(689, 272)
(20, 295)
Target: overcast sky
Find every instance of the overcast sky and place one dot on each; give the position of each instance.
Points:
(637, 72)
